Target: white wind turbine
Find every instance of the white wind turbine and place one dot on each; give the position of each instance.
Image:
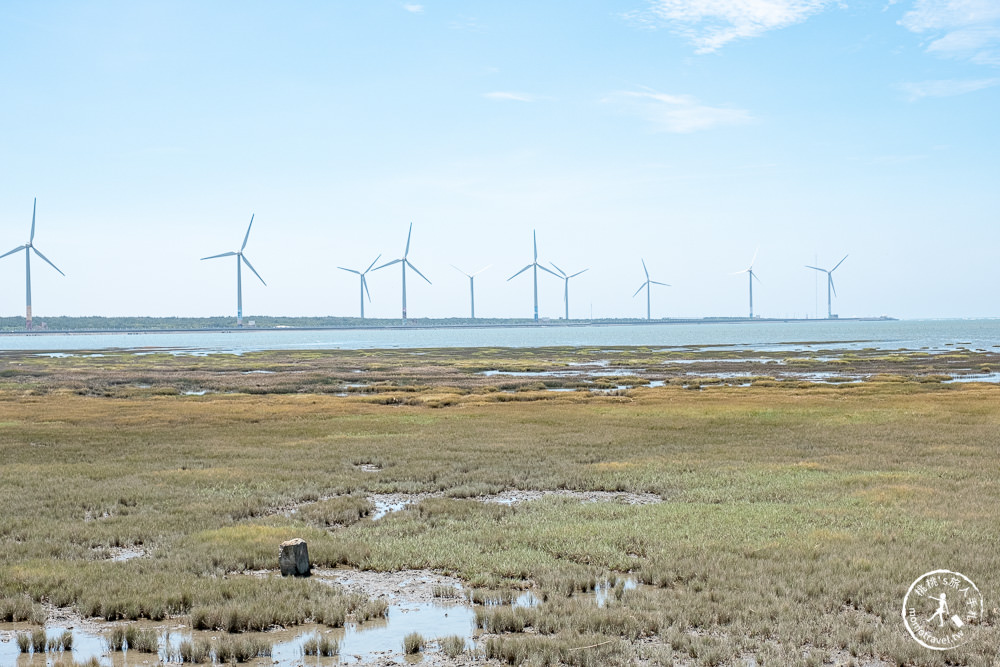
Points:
(405, 262)
(649, 286)
(472, 286)
(240, 259)
(566, 285)
(534, 265)
(364, 283)
(751, 276)
(29, 248)
(829, 286)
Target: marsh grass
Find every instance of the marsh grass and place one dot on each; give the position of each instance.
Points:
(38, 640)
(198, 650)
(339, 511)
(413, 643)
(241, 648)
(24, 642)
(452, 646)
(322, 646)
(794, 515)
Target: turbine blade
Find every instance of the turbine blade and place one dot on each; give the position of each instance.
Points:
(578, 273)
(656, 283)
(832, 286)
(46, 259)
(11, 252)
(838, 264)
(364, 283)
(33, 207)
(225, 254)
(408, 235)
(247, 237)
(418, 272)
(640, 289)
(754, 276)
(520, 272)
(480, 270)
(816, 268)
(736, 273)
(460, 271)
(373, 263)
(351, 270)
(250, 266)
(395, 261)
(534, 240)
(548, 270)
(644, 268)
(754, 256)
(557, 268)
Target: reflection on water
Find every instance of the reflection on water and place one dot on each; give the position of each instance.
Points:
(357, 642)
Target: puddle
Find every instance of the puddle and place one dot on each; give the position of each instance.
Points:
(603, 590)
(376, 639)
(748, 360)
(257, 372)
(120, 554)
(86, 645)
(527, 599)
(992, 378)
(608, 390)
(531, 374)
(387, 503)
(656, 383)
(200, 392)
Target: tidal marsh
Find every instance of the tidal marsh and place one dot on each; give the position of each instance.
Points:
(793, 514)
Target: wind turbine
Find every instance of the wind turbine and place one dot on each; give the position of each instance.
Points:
(472, 286)
(405, 262)
(535, 265)
(829, 286)
(364, 284)
(648, 285)
(566, 285)
(29, 248)
(240, 259)
(751, 276)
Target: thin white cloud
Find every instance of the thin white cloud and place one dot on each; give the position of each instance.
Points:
(711, 24)
(680, 114)
(510, 96)
(414, 9)
(968, 29)
(918, 90)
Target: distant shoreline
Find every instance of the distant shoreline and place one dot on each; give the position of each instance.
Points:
(432, 324)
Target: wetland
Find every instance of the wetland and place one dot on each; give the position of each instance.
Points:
(560, 505)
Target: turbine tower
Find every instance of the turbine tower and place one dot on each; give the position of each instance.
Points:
(648, 285)
(566, 285)
(364, 284)
(29, 248)
(405, 262)
(829, 286)
(240, 259)
(751, 276)
(534, 265)
(472, 286)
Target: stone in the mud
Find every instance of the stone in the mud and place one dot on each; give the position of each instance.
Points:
(293, 558)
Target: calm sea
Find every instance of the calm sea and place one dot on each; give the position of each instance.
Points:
(818, 334)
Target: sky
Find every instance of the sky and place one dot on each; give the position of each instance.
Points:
(696, 135)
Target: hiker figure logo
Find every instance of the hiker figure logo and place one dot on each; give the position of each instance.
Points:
(942, 609)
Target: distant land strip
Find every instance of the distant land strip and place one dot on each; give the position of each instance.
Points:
(64, 325)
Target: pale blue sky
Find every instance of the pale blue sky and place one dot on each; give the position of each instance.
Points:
(685, 132)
